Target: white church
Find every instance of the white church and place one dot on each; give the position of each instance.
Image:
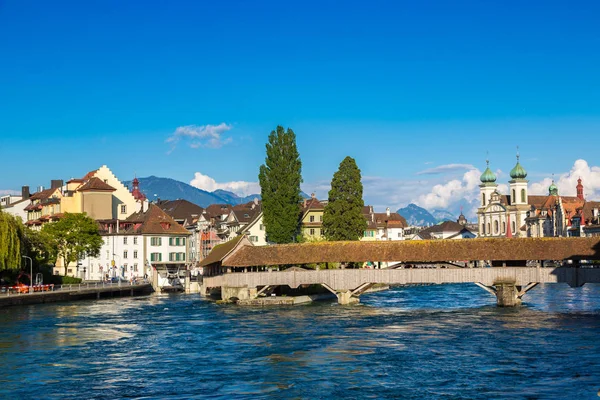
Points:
(519, 214)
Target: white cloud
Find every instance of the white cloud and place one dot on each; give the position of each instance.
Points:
(443, 195)
(445, 168)
(241, 188)
(567, 182)
(209, 136)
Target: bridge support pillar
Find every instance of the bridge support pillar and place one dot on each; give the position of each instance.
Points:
(346, 298)
(507, 294)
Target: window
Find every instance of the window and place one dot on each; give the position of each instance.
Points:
(399, 234)
(107, 255)
(124, 267)
(254, 238)
(312, 218)
(504, 227)
(312, 232)
(177, 241)
(262, 227)
(523, 196)
(483, 199)
(135, 254)
(135, 268)
(514, 197)
(320, 218)
(125, 254)
(496, 227)
(123, 209)
(155, 241)
(514, 227)
(135, 240)
(155, 257)
(176, 256)
(125, 240)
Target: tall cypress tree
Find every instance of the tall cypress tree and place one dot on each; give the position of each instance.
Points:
(342, 218)
(280, 179)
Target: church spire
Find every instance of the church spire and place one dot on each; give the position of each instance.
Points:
(579, 189)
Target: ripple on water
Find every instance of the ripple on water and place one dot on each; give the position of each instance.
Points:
(411, 342)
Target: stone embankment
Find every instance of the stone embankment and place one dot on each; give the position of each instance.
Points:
(84, 291)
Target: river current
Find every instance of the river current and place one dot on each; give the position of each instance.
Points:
(423, 342)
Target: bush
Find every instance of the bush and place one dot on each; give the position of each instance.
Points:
(69, 280)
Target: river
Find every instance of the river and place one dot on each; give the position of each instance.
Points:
(422, 342)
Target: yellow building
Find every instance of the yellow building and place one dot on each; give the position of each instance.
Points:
(93, 197)
(45, 206)
(312, 219)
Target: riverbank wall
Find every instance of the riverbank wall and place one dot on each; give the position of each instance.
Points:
(76, 292)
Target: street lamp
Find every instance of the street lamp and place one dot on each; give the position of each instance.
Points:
(30, 276)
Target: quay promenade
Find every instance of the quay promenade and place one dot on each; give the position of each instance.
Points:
(81, 291)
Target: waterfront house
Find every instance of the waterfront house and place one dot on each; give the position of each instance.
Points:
(147, 243)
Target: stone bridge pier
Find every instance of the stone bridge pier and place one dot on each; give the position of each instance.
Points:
(507, 292)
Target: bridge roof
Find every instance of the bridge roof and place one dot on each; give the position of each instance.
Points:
(416, 251)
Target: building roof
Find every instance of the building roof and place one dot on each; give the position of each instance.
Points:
(95, 184)
(181, 210)
(153, 221)
(446, 226)
(220, 251)
(488, 176)
(393, 220)
(217, 210)
(44, 194)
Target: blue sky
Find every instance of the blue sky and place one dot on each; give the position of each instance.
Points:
(402, 87)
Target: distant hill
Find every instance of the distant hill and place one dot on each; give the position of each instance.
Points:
(170, 189)
(443, 215)
(417, 216)
(232, 198)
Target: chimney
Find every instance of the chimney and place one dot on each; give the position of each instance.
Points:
(387, 211)
(25, 192)
(56, 183)
(40, 189)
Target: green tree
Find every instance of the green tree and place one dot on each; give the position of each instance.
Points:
(280, 179)
(342, 217)
(11, 236)
(72, 237)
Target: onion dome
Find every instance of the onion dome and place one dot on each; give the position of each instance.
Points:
(518, 172)
(488, 176)
(553, 189)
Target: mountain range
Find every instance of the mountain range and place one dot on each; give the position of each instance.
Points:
(155, 188)
(418, 216)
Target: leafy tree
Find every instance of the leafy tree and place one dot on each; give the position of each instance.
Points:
(11, 235)
(342, 217)
(280, 179)
(72, 237)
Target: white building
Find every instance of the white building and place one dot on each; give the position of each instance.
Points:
(147, 244)
(255, 231)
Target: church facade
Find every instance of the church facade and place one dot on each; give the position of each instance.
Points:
(518, 214)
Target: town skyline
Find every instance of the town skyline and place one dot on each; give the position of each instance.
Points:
(420, 99)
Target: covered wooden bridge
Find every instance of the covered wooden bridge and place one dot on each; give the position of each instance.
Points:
(509, 283)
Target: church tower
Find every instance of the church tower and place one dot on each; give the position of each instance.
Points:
(518, 185)
(579, 189)
(487, 187)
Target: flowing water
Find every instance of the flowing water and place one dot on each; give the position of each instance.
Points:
(415, 342)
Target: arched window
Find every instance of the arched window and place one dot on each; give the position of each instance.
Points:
(483, 229)
(514, 197)
(523, 199)
(504, 227)
(483, 199)
(496, 227)
(514, 224)
(489, 228)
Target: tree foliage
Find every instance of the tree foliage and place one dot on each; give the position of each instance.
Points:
(280, 179)
(342, 217)
(72, 237)
(11, 236)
